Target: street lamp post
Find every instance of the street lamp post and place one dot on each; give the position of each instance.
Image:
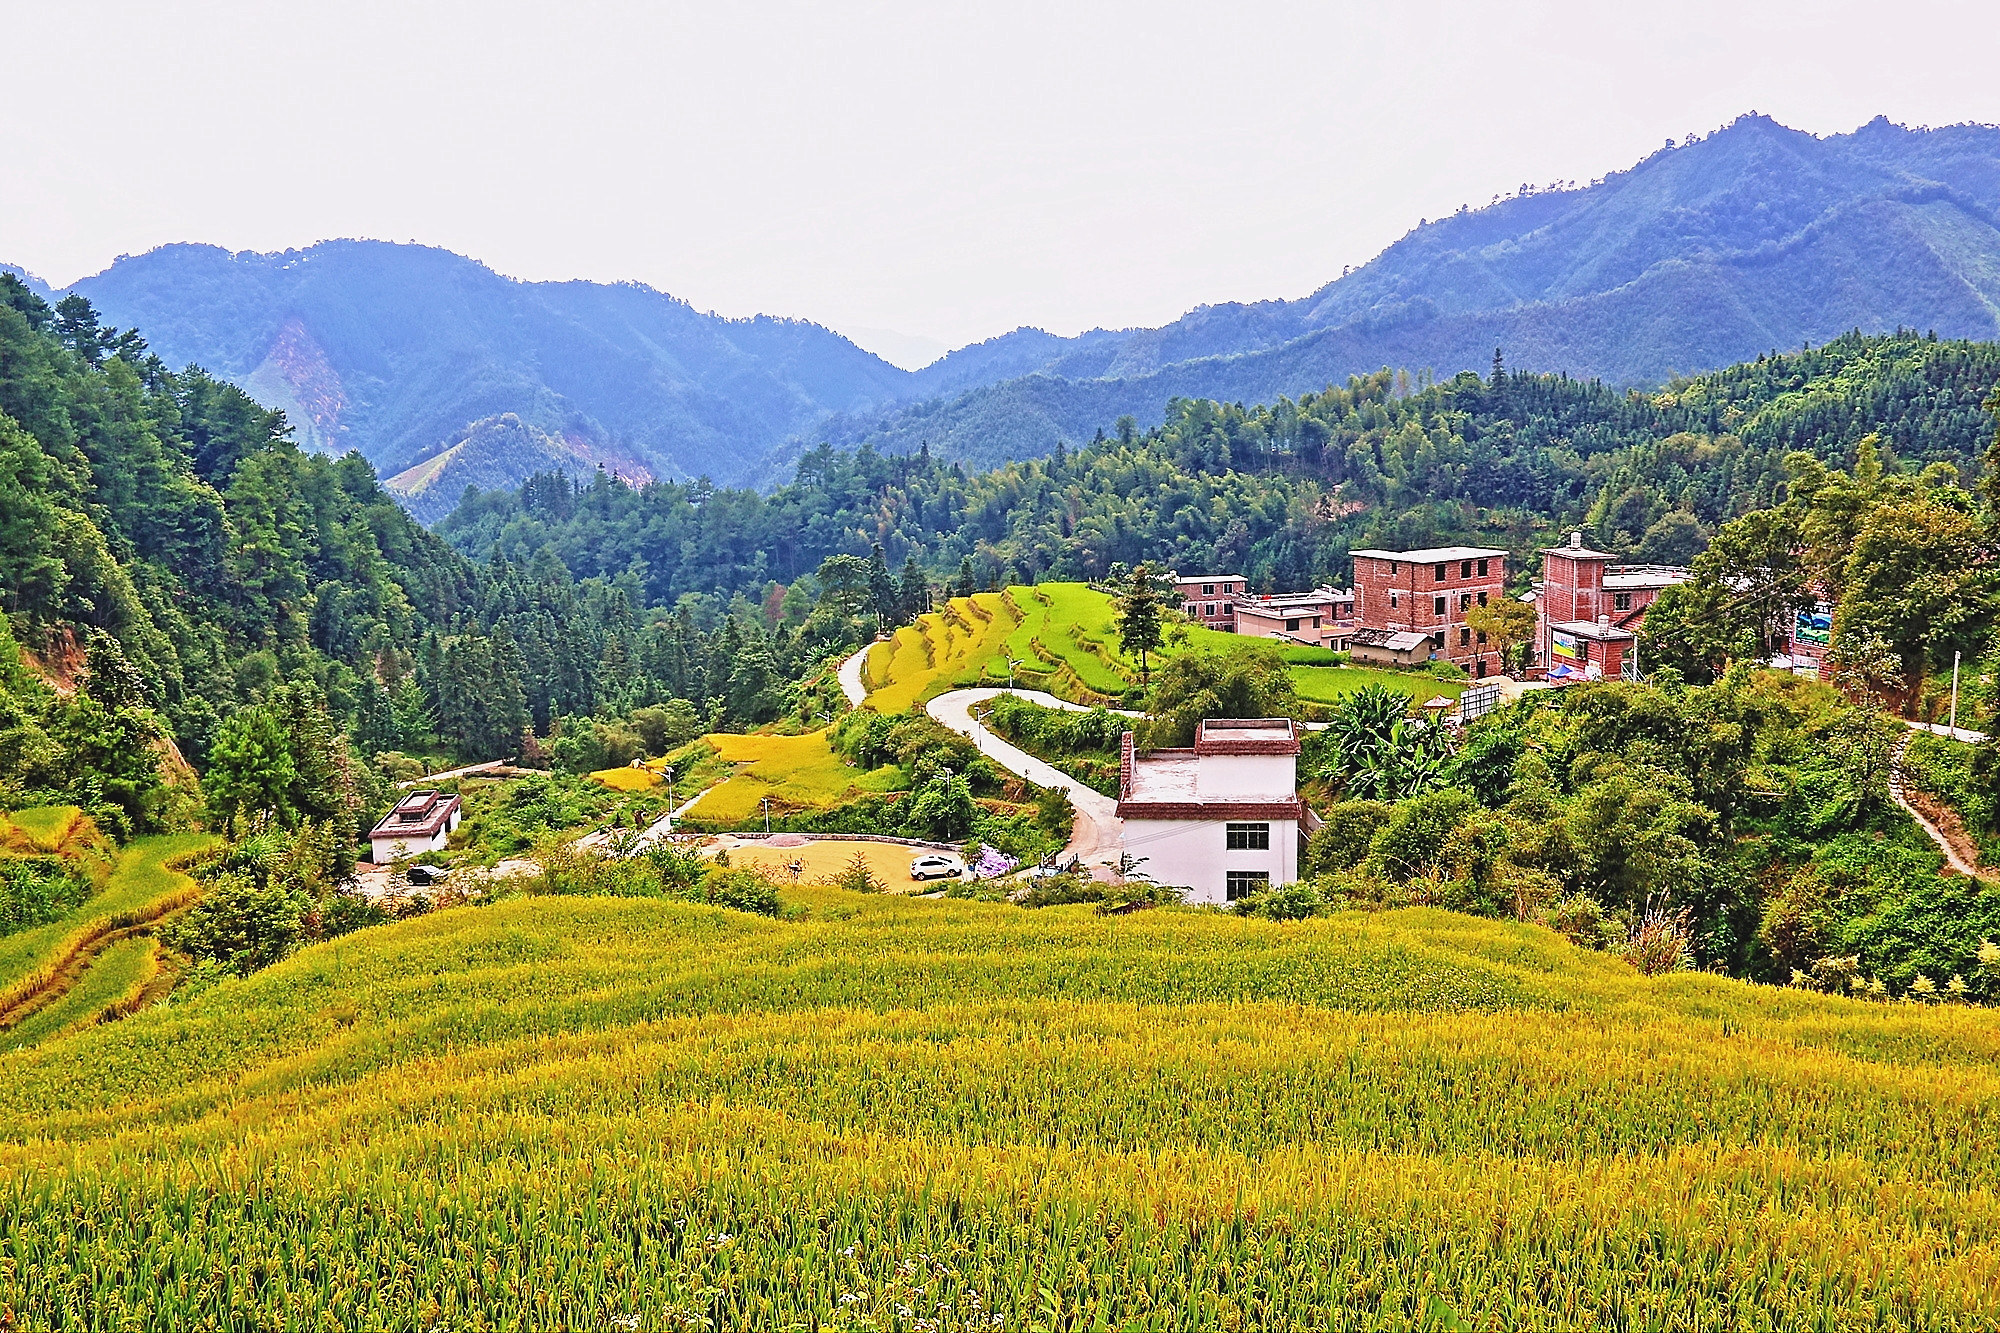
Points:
(1012, 662)
(1955, 655)
(766, 803)
(670, 800)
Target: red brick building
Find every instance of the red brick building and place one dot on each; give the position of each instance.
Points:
(1429, 592)
(1210, 599)
(1586, 587)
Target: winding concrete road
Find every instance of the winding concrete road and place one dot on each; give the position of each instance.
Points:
(850, 677)
(1951, 856)
(1098, 837)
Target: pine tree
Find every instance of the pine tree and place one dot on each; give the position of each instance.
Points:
(1140, 622)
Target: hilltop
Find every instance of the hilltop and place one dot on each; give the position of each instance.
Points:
(1707, 252)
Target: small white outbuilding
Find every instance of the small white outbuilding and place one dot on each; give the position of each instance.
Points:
(421, 822)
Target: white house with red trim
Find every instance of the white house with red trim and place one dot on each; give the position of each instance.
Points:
(1222, 818)
(421, 822)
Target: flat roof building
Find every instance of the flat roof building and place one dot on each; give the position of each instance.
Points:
(1222, 817)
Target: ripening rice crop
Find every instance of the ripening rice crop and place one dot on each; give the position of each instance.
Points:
(944, 648)
(887, 1113)
(795, 772)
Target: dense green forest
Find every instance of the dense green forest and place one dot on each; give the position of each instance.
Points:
(1283, 493)
(190, 586)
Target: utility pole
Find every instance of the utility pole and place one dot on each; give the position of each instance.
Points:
(766, 803)
(1955, 655)
(670, 800)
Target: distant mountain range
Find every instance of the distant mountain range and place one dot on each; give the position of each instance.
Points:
(1755, 238)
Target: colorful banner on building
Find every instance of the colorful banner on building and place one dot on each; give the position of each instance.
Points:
(1564, 650)
(1814, 628)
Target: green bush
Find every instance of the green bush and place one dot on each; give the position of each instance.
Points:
(38, 889)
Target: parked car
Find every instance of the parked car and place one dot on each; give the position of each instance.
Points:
(937, 865)
(426, 876)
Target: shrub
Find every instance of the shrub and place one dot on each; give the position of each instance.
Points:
(1062, 890)
(1341, 842)
(1288, 902)
(856, 877)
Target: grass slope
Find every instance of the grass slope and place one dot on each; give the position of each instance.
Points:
(564, 1112)
(116, 977)
(44, 827)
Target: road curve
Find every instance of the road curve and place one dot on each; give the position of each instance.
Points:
(1098, 836)
(850, 677)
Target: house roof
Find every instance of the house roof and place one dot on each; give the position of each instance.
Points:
(1577, 552)
(1625, 578)
(1246, 735)
(1590, 629)
(1396, 641)
(1208, 578)
(421, 814)
(1436, 555)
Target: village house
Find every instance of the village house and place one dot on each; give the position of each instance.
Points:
(1222, 818)
(420, 823)
(1322, 618)
(1210, 599)
(1583, 593)
(1429, 592)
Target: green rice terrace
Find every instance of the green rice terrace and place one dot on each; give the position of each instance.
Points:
(877, 1113)
(1063, 638)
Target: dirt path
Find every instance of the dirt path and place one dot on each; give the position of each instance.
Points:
(1937, 835)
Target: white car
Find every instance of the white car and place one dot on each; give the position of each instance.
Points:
(937, 866)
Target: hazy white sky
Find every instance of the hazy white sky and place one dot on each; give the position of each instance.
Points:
(942, 170)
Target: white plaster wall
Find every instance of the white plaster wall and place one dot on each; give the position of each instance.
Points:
(1219, 777)
(387, 850)
(1194, 852)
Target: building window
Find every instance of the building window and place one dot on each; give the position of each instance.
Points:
(1208, 590)
(1392, 601)
(1394, 567)
(1482, 636)
(1247, 837)
(1482, 599)
(1465, 569)
(1465, 601)
(1193, 610)
(1622, 601)
(1438, 573)
(1465, 638)
(1243, 883)
(1292, 622)
(1437, 605)
(1482, 569)
(1209, 609)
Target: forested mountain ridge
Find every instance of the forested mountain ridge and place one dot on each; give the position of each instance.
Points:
(1708, 252)
(395, 350)
(1283, 492)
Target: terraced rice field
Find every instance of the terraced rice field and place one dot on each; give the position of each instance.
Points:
(891, 1113)
(947, 647)
(795, 772)
(142, 888)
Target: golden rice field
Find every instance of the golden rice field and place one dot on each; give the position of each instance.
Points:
(892, 1113)
(946, 647)
(795, 772)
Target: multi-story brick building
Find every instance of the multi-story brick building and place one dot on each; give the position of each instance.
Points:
(1210, 599)
(1584, 587)
(1429, 592)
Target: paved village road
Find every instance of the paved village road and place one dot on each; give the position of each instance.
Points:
(850, 677)
(1099, 835)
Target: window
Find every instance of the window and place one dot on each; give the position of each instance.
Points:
(1209, 609)
(1193, 610)
(1622, 601)
(1438, 573)
(1291, 622)
(1465, 569)
(1208, 590)
(1465, 601)
(1482, 599)
(1482, 636)
(1437, 605)
(1482, 569)
(1394, 567)
(1243, 883)
(1247, 837)
(1392, 601)
(1465, 637)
